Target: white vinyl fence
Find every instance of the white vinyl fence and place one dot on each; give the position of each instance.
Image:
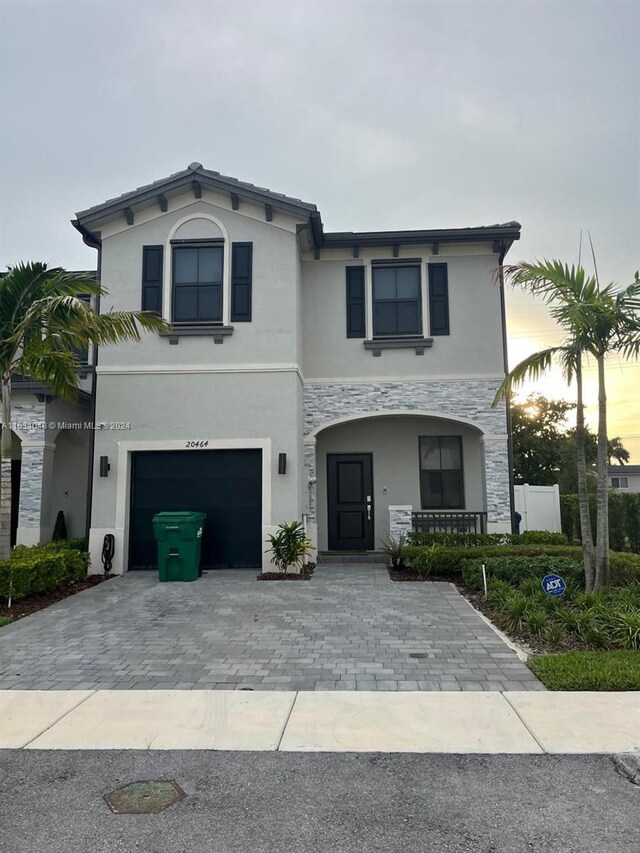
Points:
(539, 507)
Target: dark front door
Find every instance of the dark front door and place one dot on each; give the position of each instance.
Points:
(350, 494)
(224, 484)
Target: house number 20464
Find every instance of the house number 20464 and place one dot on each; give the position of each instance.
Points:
(197, 444)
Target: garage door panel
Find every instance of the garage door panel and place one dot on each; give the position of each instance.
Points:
(224, 484)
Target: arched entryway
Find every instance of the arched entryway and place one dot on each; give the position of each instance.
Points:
(365, 465)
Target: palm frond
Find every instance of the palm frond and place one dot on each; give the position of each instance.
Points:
(531, 367)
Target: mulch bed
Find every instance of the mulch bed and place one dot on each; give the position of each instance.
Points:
(26, 606)
(305, 575)
(534, 643)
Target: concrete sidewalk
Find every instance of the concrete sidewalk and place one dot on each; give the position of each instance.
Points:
(445, 722)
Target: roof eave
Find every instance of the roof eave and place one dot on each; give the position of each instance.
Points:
(182, 180)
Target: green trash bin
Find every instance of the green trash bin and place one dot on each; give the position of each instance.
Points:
(179, 538)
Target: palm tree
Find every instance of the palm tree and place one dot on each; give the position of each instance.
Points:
(597, 322)
(43, 322)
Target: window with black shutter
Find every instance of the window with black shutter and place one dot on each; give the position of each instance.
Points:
(197, 283)
(241, 275)
(152, 279)
(438, 299)
(356, 325)
(396, 301)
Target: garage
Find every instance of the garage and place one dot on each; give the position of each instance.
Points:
(224, 484)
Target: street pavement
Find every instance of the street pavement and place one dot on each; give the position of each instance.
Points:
(270, 802)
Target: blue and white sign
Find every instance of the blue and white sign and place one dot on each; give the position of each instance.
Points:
(553, 585)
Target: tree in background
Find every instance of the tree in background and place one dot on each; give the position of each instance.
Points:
(544, 447)
(597, 322)
(44, 322)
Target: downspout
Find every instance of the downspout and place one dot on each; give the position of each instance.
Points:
(92, 435)
(503, 251)
(92, 240)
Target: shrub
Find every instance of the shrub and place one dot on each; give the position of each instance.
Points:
(498, 592)
(514, 611)
(597, 670)
(478, 540)
(625, 567)
(428, 560)
(537, 622)
(539, 537)
(5, 620)
(624, 519)
(289, 546)
(42, 567)
(515, 569)
(456, 540)
(396, 550)
(622, 627)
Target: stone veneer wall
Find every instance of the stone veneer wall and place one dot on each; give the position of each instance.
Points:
(25, 415)
(469, 399)
(400, 521)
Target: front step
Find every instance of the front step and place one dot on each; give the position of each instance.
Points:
(351, 557)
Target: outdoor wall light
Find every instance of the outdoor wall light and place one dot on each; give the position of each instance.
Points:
(104, 466)
(282, 463)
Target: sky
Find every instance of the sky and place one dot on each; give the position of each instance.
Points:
(387, 115)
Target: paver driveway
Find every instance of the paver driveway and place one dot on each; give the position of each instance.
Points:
(349, 628)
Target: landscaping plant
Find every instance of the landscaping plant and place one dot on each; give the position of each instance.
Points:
(597, 322)
(289, 546)
(44, 321)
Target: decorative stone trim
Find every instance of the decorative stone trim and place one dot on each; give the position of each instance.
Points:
(468, 401)
(378, 344)
(179, 330)
(400, 521)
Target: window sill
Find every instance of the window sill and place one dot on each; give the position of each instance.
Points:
(416, 343)
(202, 330)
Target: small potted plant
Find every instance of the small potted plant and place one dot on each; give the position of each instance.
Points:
(289, 547)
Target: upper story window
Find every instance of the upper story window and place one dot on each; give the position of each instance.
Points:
(396, 301)
(197, 283)
(390, 304)
(441, 484)
(620, 482)
(199, 294)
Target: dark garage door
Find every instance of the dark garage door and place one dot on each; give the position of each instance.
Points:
(224, 484)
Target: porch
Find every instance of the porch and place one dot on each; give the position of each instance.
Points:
(379, 475)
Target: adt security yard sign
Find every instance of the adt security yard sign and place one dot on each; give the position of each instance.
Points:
(553, 585)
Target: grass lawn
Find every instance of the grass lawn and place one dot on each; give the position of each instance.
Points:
(5, 620)
(589, 670)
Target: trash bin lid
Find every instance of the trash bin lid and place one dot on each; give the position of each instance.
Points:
(179, 516)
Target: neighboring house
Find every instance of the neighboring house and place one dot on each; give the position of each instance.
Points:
(624, 478)
(50, 458)
(345, 379)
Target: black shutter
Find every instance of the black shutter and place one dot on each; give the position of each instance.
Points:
(241, 272)
(438, 299)
(152, 278)
(356, 325)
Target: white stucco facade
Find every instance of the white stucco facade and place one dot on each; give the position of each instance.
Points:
(291, 382)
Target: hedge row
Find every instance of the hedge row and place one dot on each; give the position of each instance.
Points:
(474, 540)
(436, 560)
(624, 519)
(514, 570)
(40, 568)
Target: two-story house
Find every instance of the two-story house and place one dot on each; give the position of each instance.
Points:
(345, 379)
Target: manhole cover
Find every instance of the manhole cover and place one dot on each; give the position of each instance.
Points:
(144, 797)
(418, 655)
